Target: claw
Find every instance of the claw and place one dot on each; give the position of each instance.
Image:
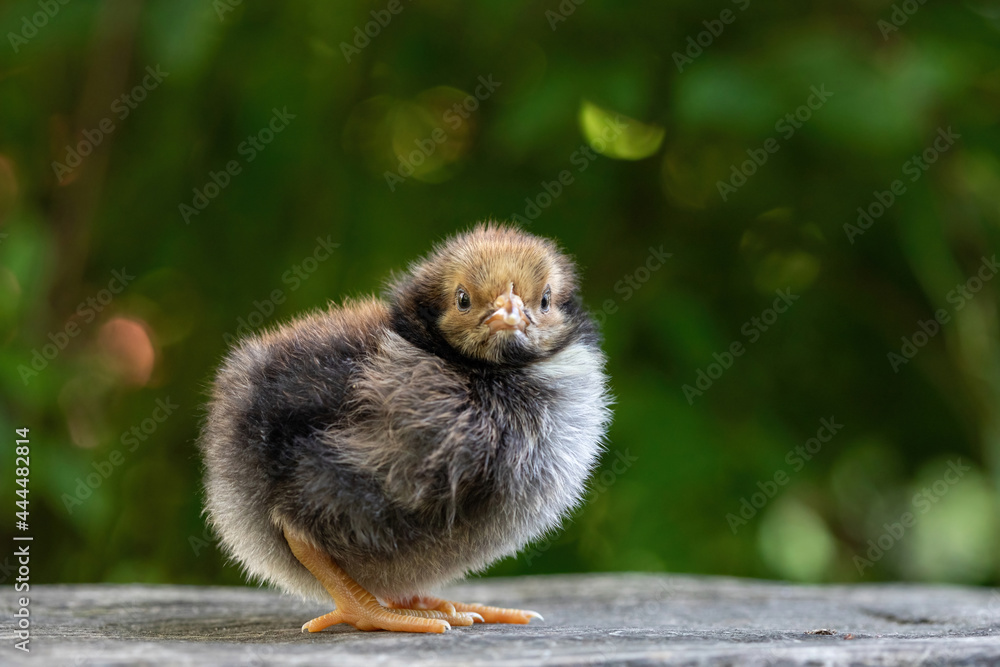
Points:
(483, 613)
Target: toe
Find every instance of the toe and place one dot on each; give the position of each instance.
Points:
(457, 618)
(323, 622)
(446, 607)
(499, 614)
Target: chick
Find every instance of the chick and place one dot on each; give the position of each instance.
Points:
(375, 451)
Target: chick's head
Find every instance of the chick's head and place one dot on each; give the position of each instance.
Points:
(495, 294)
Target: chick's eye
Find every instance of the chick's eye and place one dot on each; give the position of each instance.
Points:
(463, 300)
(546, 299)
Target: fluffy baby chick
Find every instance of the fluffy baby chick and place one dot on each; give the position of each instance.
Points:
(375, 451)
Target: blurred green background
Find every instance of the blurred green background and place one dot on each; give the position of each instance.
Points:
(606, 125)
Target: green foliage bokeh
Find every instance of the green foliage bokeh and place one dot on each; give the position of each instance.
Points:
(610, 129)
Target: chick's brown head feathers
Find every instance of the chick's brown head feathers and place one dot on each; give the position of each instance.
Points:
(494, 295)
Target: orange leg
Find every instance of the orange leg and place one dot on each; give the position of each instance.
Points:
(358, 607)
(482, 613)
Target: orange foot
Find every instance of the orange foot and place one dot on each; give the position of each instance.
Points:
(358, 607)
(484, 613)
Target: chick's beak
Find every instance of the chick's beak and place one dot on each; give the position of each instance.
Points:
(509, 313)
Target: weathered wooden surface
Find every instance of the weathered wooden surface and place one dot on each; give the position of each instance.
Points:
(596, 619)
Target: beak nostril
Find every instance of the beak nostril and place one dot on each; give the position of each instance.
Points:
(509, 313)
(506, 301)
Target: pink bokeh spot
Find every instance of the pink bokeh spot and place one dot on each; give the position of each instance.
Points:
(126, 345)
